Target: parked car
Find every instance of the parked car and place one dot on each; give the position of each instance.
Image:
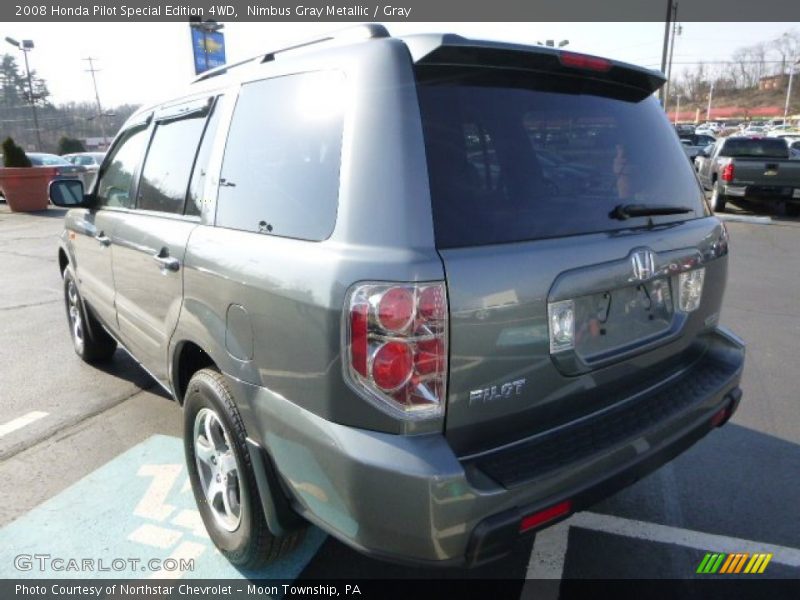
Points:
(694, 143)
(783, 131)
(752, 169)
(380, 312)
(90, 160)
(755, 130)
(684, 129)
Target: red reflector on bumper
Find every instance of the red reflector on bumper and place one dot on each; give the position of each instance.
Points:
(721, 417)
(543, 516)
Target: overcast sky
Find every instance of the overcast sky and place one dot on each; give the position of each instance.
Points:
(142, 63)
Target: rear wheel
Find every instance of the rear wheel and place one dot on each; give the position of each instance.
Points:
(222, 477)
(718, 200)
(91, 342)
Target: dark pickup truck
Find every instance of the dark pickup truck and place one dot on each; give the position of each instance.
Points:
(752, 169)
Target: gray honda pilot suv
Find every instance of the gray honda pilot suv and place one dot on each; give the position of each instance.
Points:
(426, 293)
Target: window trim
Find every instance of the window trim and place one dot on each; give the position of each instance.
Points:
(123, 136)
(193, 108)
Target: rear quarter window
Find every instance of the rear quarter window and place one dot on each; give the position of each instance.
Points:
(280, 174)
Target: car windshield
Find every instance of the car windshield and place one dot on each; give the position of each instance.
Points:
(516, 156)
(47, 160)
(755, 148)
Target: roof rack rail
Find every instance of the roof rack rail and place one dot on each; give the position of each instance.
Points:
(358, 32)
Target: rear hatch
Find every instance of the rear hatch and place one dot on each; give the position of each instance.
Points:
(543, 179)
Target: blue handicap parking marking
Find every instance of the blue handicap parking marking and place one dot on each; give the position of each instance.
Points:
(135, 509)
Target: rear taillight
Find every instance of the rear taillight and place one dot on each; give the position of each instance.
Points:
(395, 346)
(728, 172)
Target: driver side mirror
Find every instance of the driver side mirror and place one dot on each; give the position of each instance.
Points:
(68, 193)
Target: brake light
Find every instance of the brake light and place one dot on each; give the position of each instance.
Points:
(584, 61)
(728, 172)
(395, 346)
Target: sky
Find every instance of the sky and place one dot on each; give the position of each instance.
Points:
(142, 63)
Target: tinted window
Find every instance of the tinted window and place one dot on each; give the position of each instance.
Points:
(194, 203)
(114, 187)
(165, 176)
(513, 157)
(745, 147)
(280, 173)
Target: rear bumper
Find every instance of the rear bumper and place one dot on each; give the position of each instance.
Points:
(410, 499)
(778, 194)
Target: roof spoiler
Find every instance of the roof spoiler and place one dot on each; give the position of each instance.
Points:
(455, 50)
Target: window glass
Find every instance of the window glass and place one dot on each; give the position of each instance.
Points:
(165, 176)
(194, 203)
(280, 174)
(114, 187)
(755, 148)
(514, 157)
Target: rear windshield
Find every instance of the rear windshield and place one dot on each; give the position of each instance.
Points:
(755, 148)
(516, 156)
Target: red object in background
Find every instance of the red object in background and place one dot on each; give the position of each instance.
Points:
(27, 189)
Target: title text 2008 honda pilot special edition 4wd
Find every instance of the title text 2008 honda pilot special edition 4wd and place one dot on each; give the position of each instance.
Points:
(426, 293)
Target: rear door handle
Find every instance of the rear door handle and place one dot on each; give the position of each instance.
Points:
(165, 261)
(103, 239)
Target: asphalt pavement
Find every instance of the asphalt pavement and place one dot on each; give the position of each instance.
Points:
(102, 446)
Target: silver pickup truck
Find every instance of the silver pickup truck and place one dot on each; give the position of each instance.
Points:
(751, 169)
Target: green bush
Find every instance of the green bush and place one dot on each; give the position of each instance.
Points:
(68, 145)
(13, 155)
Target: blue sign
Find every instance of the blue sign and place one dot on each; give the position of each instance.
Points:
(208, 49)
(134, 517)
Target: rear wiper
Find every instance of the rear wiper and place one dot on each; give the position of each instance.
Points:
(626, 211)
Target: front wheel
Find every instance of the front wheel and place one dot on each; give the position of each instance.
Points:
(718, 200)
(222, 477)
(91, 342)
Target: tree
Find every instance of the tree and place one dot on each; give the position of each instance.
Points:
(13, 155)
(68, 145)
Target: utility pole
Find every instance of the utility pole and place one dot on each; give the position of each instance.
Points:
(92, 70)
(710, 96)
(789, 90)
(661, 95)
(678, 108)
(676, 29)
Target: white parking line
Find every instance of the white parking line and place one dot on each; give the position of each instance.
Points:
(550, 546)
(21, 422)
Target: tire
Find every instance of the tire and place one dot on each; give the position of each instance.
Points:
(231, 510)
(90, 340)
(718, 200)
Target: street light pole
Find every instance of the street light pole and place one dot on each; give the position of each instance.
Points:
(710, 96)
(25, 46)
(789, 90)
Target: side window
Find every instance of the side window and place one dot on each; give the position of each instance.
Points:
(194, 202)
(165, 175)
(114, 187)
(280, 174)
